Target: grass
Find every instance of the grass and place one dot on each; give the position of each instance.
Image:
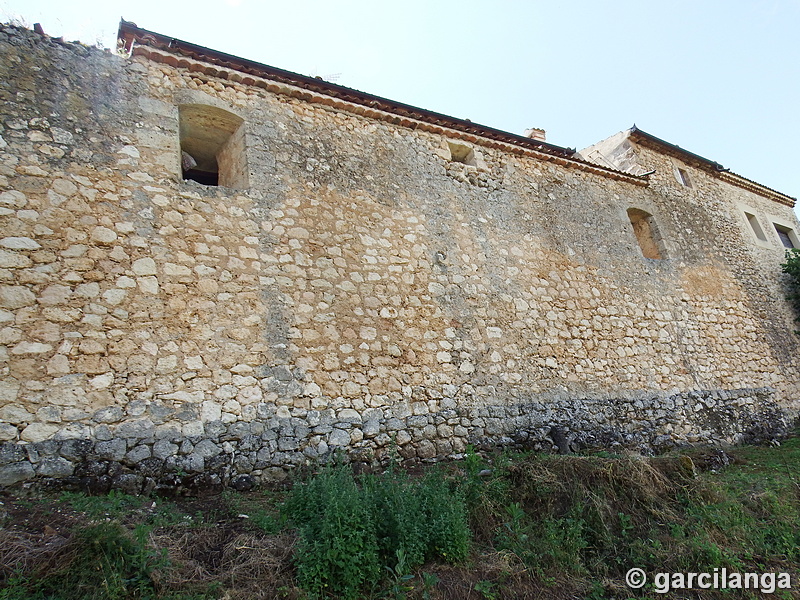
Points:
(507, 525)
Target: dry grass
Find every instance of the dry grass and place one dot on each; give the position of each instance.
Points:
(245, 565)
(499, 575)
(30, 553)
(642, 488)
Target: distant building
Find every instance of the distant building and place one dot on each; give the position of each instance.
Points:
(214, 270)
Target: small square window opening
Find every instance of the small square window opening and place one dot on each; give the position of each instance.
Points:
(462, 153)
(212, 146)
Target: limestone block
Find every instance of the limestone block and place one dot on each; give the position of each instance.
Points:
(15, 472)
(426, 449)
(61, 136)
(13, 198)
(8, 432)
(144, 266)
(114, 449)
(11, 453)
(192, 463)
(58, 365)
(371, 428)
(167, 364)
(101, 382)
(148, 285)
(351, 389)
(163, 449)
(32, 216)
(72, 431)
(339, 437)
(114, 296)
(31, 348)
(193, 429)
(14, 260)
(88, 290)
(210, 411)
(9, 390)
(109, 414)
(49, 414)
(103, 235)
(91, 364)
(176, 270)
(207, 449)
(16, 296)
(57, 466)
(139, 453)
(348, 415)
(10, 335)
(76, 449)
(19, 243)
(140, 428)
(38, 432)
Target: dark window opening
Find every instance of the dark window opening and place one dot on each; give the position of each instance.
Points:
(683, 178)
(785, 234)
(204, 177)
(212, 146)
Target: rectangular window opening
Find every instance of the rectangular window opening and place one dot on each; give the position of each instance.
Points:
(683, 178)
(213, 148)
(787, 236)
(755, 226)
(647, 234)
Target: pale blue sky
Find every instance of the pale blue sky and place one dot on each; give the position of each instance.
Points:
(720, 78)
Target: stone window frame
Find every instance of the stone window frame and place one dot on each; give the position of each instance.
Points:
(462, 153)
(209, 126)
(457, 151)
(682, 176)
(647, 233)
(753, 225)
(781, 227)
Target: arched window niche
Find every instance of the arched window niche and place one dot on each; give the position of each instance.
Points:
(212, 146)
(647, 234)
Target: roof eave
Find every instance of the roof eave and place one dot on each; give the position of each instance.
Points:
(689, 157)
(713, 167)
(130, 35)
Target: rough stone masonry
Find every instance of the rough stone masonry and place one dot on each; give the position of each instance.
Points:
(354, 275)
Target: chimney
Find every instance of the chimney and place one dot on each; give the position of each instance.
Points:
(535, 134)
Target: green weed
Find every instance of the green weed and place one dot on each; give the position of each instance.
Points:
(262, 512)
(105, 563)
(351, 531)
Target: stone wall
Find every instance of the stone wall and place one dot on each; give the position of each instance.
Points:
(365, 292)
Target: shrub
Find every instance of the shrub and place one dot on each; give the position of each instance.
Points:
(338, 549)
(101, 562)
(792, 268)
(351, 533)
(424, 519)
